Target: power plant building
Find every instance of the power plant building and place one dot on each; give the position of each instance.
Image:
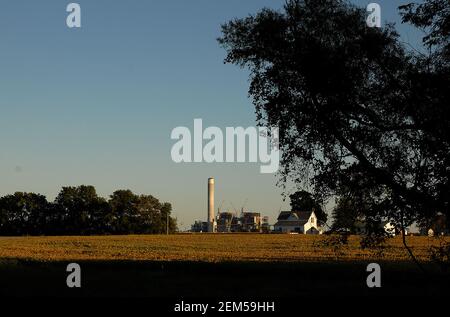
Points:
(229, 221)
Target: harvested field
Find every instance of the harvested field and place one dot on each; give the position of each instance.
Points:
(207, 247)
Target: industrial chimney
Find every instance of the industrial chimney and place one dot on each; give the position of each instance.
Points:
(211, 220)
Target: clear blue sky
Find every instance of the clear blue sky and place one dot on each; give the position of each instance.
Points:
(96, 105)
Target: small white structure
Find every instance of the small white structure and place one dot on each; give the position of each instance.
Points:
(297, 221)
(389, 228)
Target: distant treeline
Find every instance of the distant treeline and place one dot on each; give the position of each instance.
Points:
(80, 211)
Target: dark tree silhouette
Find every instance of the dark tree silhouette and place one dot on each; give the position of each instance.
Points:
(124, 209)
(353, 101)
(80, 211)
(304, 201)
(345, 216)
(140, 214)
(23, 214)
(433, 18)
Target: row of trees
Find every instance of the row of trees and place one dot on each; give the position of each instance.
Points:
(80, 211)
(351, 212)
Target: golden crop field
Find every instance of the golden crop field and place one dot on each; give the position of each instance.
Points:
(204, 247)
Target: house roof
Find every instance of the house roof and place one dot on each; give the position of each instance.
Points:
(284, 215)
(300, 215)
(303, 215)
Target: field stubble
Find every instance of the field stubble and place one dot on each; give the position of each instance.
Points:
(206, 248)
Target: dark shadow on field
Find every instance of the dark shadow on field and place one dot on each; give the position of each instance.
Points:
(236, 279)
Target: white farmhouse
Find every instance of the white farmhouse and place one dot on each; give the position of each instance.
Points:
(297, 222)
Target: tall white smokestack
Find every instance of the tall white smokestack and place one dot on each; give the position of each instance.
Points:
(210, 218)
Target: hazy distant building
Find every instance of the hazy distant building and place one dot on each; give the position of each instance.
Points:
(251, 222)
(236, 225)
(265, 226)
(225, 221)
(229, 221)
(199, 226)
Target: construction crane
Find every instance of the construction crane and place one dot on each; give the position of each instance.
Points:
(220, 207)
(243, 205)
(235, 215)
(234, 208)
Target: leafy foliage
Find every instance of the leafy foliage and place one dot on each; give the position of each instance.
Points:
(23, 213)
(304, 201)
(359, 112)
(345, 215)
(433, 18)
